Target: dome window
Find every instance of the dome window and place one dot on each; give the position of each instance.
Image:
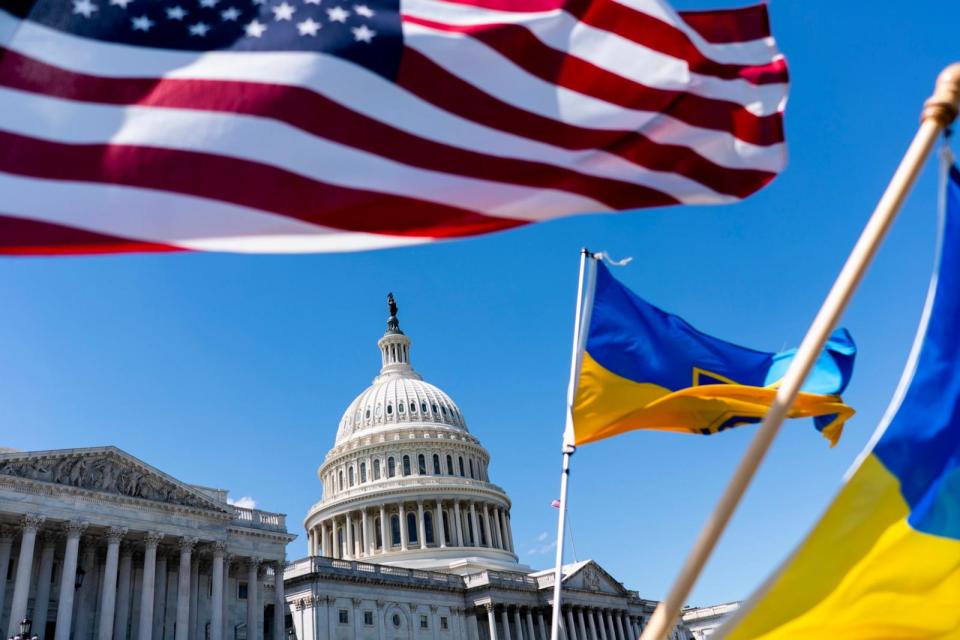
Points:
(443, 410)
(436, 464)
(376, 469)
(400, 407)
(350, 475)
(421, 465)
(434, 407)
(412, 528)
(406, 465)
(395, 533)
(363, 472)
(389, 409)
(413, 407)
(423, 407)
(461, 467)
(449, 465)
(471, 468)
(391, 467)
(368, 414)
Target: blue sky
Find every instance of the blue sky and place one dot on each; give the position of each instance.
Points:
(233, 371)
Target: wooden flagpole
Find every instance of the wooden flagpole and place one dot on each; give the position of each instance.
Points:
(939, 111)
(585, 287)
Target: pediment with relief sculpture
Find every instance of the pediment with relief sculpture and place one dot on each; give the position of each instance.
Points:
(105, 470)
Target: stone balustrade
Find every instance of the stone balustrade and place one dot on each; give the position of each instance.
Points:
(260, 519)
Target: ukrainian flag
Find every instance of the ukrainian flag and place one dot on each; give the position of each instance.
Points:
(643, 368)
(884, 561)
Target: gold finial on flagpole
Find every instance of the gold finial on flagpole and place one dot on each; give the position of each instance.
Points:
(943, 104)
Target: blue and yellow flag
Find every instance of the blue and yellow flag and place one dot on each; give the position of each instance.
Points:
(884, 561)
(644, 368)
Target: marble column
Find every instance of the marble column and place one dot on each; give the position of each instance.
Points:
(438, 525)
(280, 600)
(324, 547)
(581, 627)
(504, 538)
(216, 591)
(602, 627)
(505, 623)
(68, 577)
(593, 627)
(403, 528)
(622, 626)
(509, 528)
(21, 585)
(491, 620)
(41, 598)
(182, 629)
(492, 518)
(384, 540)
(544, 634)
(228, 594)
(147, 586)
(351, 551)
(612, 634)
(473, 625)
(486, 524)
(161, 583)
(253, 608)
(122, 617)
(571, 628)
(366, 550)
(421, 525)
(456, 516)
(517, 622)
(194, 596)
(335, 540)
(108, 587)
(6, 545)
(530, 633)
(475, 525)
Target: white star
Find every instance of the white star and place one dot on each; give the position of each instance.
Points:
(199, 29)
(230, 14)
(84, 8)
(311, 1)
(143, 23)
(337, 14)
(210, 4)
(363, 33)
(282, 11)
(308, 27)
(363, 10)
(120, 3)
(176, 13)
(255, 29)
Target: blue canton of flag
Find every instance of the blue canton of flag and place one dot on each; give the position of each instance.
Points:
(366, 32)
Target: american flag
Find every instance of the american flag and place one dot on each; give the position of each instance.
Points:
(334, 125)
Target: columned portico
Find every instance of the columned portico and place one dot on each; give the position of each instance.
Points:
(21, 586)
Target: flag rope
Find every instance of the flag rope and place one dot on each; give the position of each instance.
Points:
(939, 111)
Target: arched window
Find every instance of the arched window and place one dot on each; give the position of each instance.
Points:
(449, 465)
(445, 534)
(406, 465)
(423, 407)
(395, 529)
(363, 472)
(428, 527)
(411, 528)
(376, 469)
(350, 475)
(443, 409)
(340, 474)
(470, 532)
(421, 465)
(483, 530)
(461, 467)
(389, 409)
(340, 545)
(378, 532)
(471, 467)
(391, 468)
(413, 407)
(434, 407)
(436, 465)
(400, 407)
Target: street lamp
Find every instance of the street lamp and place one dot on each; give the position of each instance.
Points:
(25, 626)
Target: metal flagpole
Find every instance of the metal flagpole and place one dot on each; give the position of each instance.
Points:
(581, 322)
(939, 111)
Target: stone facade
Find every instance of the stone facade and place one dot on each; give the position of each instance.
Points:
(96, 544)
(701, 622)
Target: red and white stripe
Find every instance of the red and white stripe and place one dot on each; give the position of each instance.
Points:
(504, 112)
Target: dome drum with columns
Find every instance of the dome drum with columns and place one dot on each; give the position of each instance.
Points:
(406, 483)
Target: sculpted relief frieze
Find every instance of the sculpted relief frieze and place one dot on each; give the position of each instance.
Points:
(102, 472)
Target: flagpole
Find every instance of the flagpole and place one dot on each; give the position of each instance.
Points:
(939, 111)
(580, 322)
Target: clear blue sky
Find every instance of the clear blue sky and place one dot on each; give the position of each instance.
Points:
(233, 371)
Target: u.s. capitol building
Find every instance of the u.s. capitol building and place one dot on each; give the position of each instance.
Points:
(411, 540)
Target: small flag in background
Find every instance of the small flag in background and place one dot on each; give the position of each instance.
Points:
(644, 368)
(555, 504)
(884, 561)
(298, 126)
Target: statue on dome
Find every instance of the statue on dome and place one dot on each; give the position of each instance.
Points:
(393, 325)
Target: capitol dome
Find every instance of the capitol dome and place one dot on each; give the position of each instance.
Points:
(406, 483)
